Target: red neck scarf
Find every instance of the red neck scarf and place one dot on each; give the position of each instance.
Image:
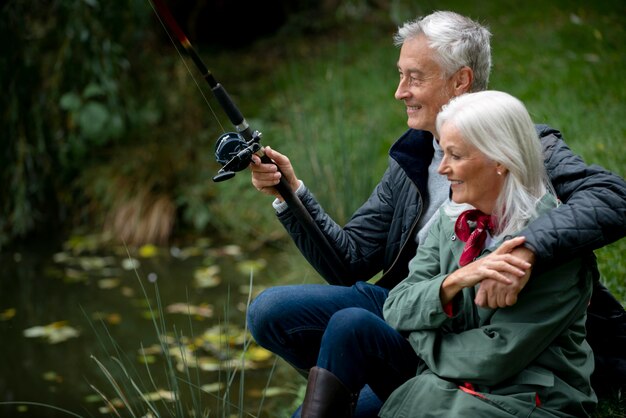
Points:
(474, 240)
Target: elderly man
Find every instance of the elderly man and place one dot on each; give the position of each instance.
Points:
(442, 56)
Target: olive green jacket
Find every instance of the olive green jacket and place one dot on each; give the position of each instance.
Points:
(527, 360)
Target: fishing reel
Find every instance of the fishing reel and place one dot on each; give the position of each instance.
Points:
(234, 153)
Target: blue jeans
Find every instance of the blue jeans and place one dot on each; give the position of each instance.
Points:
(337, 328)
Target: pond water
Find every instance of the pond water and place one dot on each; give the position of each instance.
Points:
(70, 315)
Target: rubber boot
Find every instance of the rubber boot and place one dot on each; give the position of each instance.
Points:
(326, 396)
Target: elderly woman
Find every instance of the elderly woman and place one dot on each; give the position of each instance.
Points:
(529, 359)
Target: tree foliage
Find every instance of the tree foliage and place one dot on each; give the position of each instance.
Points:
(66, 76)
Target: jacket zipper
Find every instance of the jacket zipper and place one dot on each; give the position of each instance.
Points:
(409, 236)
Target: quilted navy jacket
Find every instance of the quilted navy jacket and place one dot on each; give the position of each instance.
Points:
(380, 236)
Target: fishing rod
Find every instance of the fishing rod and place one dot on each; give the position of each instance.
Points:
(234, 150)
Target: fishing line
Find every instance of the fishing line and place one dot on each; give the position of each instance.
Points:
(180, 55)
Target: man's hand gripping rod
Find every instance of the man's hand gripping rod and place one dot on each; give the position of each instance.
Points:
(234, 150)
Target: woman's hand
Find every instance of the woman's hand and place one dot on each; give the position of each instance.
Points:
(266, 176)
(497, 266)
(495, 294)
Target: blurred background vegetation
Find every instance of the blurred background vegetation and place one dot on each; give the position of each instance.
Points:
(106, 130)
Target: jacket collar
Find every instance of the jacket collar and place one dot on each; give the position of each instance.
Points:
(414, 151)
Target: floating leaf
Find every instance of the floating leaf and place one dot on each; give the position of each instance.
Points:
(94, 263)
(110, 318)
(61, 258)
(7, 314)
(203, 310)
(93, 398)
(112, 406)
(113, 318)
(185, 253)
(208, 364)
(148, 251)
(130, 263)
(229, 250)
(51, 376)
(212, 387)
(276, 391)
(55, 332)
(160, 395)
(207, 276)
(128, 292)
(74, 276)
(153, 349)
(247, 266)
(232, 250)
(203, 242)
(83, 243)
(256, 289)
(147, 359)
(148, 314)
(108, 283)
(256, 353)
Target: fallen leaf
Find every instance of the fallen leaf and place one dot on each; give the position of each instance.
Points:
(130, 263)
(61, 258)
(185, 253)
(148, 251)
(55, 332)
(128, 292)
(275, 391)
(247, 266)
(94, 263)
(256, 353)
(212, 387)
(109, 283)
(74, 276)
(203, 310)
(146, 359)
(160, 395)
(7, 314)
(110, 318)
(51, 376)
(207, 276)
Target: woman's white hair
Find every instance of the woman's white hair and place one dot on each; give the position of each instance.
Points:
(499, 126)
(458, 41)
